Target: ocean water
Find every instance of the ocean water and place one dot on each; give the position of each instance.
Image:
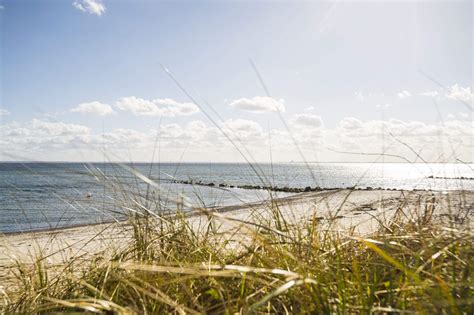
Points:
(37, 196)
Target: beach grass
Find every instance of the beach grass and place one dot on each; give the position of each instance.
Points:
(269, 265)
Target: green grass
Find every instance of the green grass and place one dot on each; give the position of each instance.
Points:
(273, 267)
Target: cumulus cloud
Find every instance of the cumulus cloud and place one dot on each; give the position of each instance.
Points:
(355, 128)
(40, 138)
(460, 93)
(307, 120)
(243, 125)
(95, 108)
(57, 128)
(158, 107)
(122, 137)
(434, 142)
(95, 7)
(350, 123)
(243, 129)
(259, 104)
(4, 112)
(403, 94)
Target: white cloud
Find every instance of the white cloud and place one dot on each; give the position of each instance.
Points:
(355, 128)
(460, 93)
(122, 137)
(434, 142)
(4, 112)
(403, 94)
(96, 108)
(309, 109)
(243, 129)
(350, 123)
(307, 120)
(158, 107)
(79, 6)
(57, 128)
(259, 104)
(29, 139)
(39, 139)
(42, 130)
(90, 6)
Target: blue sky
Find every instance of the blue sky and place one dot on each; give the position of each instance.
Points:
(323, 62)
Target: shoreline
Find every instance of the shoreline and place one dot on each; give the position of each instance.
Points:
(353, 199)
(196, 212)
(350, 212)
(191, 213)
(221, 209)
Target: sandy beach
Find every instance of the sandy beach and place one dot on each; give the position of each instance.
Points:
(359, 212)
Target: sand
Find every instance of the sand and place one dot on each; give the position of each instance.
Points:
(359, 212)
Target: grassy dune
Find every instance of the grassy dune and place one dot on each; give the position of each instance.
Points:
(268, 265)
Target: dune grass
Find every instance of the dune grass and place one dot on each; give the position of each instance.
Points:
(269, 266)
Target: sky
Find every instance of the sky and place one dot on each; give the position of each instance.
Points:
(223, 81)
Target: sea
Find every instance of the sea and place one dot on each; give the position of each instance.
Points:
(38, 196)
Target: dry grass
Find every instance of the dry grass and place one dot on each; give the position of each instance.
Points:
(169, 266)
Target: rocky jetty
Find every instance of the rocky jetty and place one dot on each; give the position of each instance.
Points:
(274, 188)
